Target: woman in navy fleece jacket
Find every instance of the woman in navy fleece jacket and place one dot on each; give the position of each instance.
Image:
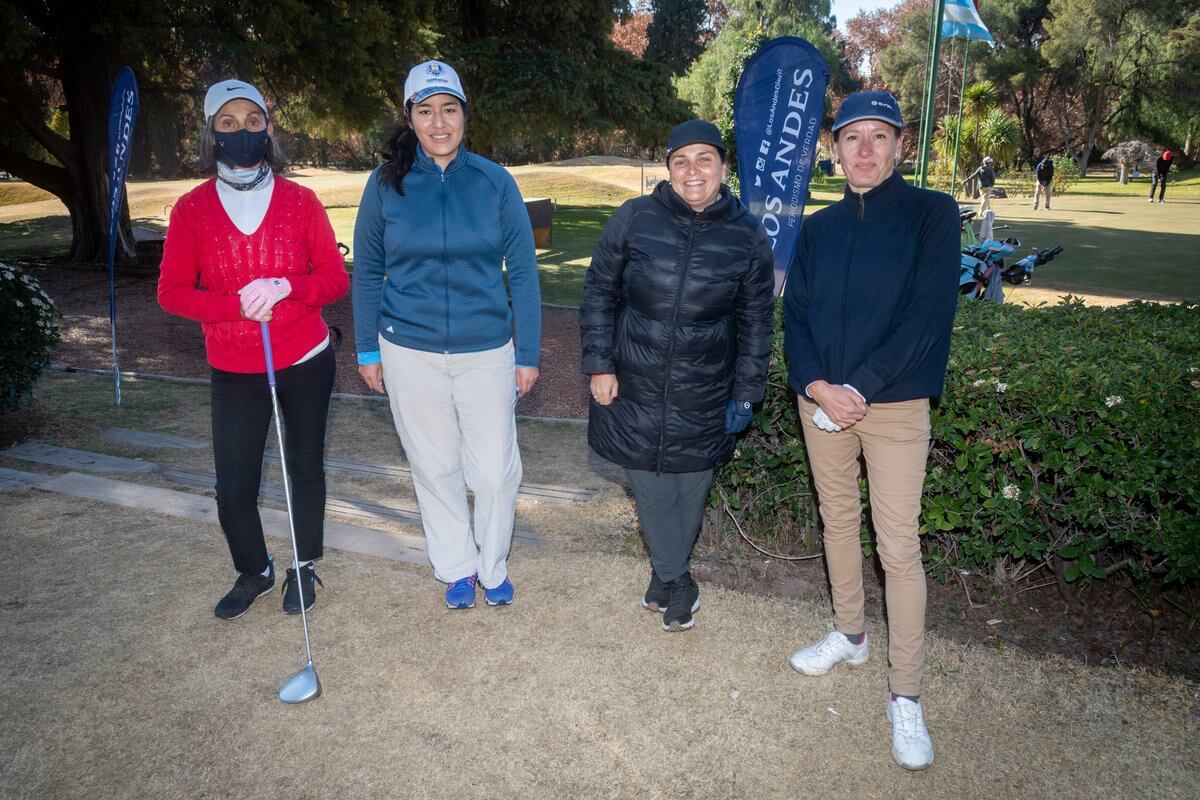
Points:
(437, 232)
(869, 307)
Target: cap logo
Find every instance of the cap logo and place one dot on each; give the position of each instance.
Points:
(877, 103)
(435, 68)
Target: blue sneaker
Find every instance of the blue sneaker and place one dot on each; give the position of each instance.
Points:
(461, 593)
(502, 595)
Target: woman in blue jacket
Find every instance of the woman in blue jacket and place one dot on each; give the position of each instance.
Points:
(437, 229)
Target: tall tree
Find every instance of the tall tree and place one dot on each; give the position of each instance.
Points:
(542, 72)
(675, 33)
(1105, 50)
(319, 62)
(709, 82)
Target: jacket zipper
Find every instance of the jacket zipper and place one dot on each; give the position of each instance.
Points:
(862, 209)
(662, 427)
(445, 270)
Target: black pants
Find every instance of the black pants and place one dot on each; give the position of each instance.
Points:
(1158, 181)
(241, 421)
(670, 507)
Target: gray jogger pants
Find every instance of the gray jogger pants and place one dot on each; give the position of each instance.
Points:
(670, 507)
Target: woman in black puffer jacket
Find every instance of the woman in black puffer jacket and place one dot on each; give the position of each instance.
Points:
(676, 332)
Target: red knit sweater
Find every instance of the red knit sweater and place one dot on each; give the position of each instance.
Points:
(206, 260)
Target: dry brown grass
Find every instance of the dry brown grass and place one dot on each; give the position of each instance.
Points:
(117, 682)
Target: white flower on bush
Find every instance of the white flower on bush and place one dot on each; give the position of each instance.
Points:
(997, 335)
(1113, 400)
(978, 383)
(1001, 387)
(1011, 492)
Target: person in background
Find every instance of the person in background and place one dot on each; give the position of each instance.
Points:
(1045, 181)
(868, 310)
(676, 321)
(1162, 167)
(249, 246)
(438, 230)
(986, 175)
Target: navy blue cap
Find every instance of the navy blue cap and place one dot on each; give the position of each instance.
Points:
(694, 131)
(868, 105)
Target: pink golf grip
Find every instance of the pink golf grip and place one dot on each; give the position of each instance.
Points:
(266, 336)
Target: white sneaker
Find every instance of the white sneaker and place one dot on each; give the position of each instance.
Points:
(831, 651)
(911, 746)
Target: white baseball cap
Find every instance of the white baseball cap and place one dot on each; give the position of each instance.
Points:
(221, 93)
(430, 78)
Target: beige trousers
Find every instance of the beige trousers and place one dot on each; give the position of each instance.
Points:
(1043, 190)
(894, 441)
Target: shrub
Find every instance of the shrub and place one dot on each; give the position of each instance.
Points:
(27, 320)
(1067, 437)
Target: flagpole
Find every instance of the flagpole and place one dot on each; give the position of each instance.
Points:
(958, 128)
(930, 99)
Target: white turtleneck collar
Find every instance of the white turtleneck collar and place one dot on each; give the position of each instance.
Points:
(245, 208)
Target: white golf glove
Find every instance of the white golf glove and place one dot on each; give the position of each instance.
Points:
(822, 421)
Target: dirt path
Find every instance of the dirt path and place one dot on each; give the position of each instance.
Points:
(116, 681)
(152, 341)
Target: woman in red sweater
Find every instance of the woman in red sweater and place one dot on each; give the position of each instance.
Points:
(245, 247)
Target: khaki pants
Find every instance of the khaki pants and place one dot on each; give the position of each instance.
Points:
(894, 441)
(985, 199)
(1043, 189)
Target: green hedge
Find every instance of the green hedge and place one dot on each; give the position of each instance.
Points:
(1068, 437)
(27, 334)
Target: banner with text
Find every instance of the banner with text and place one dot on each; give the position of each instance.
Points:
(122, 115)
(777, 114)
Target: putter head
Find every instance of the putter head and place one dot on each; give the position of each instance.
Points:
(301, 687)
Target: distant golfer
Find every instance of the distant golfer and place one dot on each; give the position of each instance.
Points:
(986, 173)
(678, 308)
(438, 232)
(1158, 179)
(245, 247)
(1045, 181)
(869, 306)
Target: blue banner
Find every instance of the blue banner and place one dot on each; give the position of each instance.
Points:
(777, 113)
(122, 115)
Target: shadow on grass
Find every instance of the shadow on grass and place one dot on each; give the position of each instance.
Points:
(1119, 262)
(42, 237)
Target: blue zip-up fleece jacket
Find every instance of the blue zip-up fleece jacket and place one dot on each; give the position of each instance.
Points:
(428, 265)
(871, 295)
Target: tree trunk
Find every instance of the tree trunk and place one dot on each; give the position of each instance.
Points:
(86, 83)
(81, 182)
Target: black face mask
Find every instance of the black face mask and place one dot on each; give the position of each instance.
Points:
(242, 148)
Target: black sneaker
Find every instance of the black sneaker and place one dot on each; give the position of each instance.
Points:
(683, 603)
(291, 590)
(247, 589)
(657, 594)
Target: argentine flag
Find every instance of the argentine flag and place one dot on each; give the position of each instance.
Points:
(961, 19)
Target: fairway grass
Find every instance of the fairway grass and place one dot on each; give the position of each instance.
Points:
(1116, 246)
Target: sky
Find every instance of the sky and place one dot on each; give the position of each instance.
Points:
(845, 9)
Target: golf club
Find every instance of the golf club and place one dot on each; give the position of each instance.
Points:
(304, 685)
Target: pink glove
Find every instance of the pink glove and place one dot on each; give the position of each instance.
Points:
(261, 295)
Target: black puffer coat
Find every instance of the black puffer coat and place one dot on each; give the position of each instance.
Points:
(680, 306)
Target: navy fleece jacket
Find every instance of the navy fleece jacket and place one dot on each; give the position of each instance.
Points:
(871, 294)
(429, 265)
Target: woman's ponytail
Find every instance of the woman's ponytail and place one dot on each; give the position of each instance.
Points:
(399, 152)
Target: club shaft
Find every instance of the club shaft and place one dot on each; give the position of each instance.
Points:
(287, 492)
